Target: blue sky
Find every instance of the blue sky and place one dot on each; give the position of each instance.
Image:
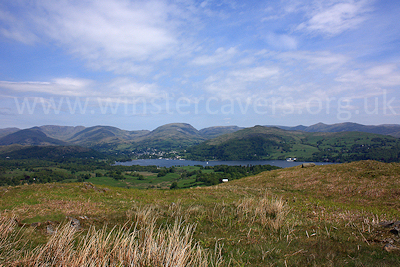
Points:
(141, 64)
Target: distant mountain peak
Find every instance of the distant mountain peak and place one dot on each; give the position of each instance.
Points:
(33, 136)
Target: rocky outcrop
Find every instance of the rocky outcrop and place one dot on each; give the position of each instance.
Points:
(392, 227)
(75, 223)
(307, 165)
(90, 186)
(50, 227)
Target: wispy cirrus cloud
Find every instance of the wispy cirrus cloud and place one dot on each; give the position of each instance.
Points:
(220, 56)
(58, 86)
(243, 83)
(104, 33)
(254, 74)
(126, 87)
(326, 61)
(15, 28)
(68, 87)
(282, 41)
(380, 76)
(331, 18)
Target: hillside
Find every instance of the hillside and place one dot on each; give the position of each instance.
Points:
(106, 139)
(60, 132)
(33, 137)
(169, 136)
(261, 142)
(362, 184)
(10, 148)
(212, 132)
(390, 129)
(334, 215)
(7, 131)
(53, 153)
(97, 134)
(249, 143)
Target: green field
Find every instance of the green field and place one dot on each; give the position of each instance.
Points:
(140, 177)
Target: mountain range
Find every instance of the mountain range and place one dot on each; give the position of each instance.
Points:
(386, 129)
(219, 142)
(109, 139)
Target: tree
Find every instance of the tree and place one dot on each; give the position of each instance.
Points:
(174, 185)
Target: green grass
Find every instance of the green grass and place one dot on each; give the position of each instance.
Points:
(320, 216)
(108, 181)
(150, 180)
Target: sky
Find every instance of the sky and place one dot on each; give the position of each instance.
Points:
(141, 64)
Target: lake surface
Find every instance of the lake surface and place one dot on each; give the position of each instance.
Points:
(171, 162)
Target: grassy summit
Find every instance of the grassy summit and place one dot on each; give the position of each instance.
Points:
(319, 216)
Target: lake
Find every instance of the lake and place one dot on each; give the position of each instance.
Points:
(171, 162)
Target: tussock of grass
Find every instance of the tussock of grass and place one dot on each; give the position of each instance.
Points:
(148, 246)
(9, 239)
(269, 213)
(143, 215)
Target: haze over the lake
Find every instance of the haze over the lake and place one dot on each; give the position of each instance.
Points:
(142, 64)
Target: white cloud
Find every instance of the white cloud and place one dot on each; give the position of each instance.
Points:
(334, 17)
(243, 83)
(117, 29)
(59, 86)
(103, 32)
(125, 87)
(203, 4)
(23, 37)
(122, 67)
(254, 74)
(324, 60)
(281, 41)
(220, 56)
(292, 6)
(14, 28)
(381, 70)
(374, 77)
(68, 87)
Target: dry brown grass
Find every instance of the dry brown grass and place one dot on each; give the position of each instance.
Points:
(142, 243)
(170, 245)
(364, 183)
(269, 212)
(66, 207)
(8, 240)
(143, 215)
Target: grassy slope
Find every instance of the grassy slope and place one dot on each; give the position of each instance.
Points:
(330, 215)
(366, 185)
